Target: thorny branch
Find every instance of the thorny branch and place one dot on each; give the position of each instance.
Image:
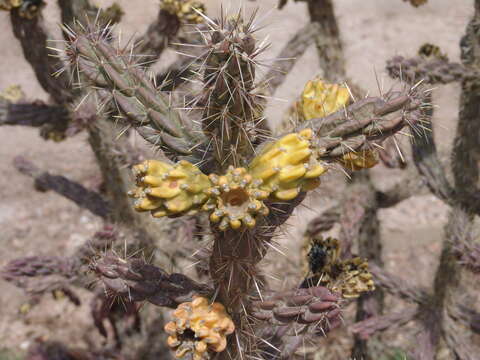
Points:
(73, 191)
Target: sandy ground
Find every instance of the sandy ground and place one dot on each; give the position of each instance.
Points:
(32, 222)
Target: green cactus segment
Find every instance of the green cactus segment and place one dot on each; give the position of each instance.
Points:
(288, 166)
(114, 72)
(169, 190)
(233, 110)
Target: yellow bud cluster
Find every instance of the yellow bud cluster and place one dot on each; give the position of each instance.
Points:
(185, 10)
(320, 99)
(354, 278)
(364, 159)
(234, 199)
(288, 166)
(12, 93)
(168, 190)
(197, 328)
(26, 8)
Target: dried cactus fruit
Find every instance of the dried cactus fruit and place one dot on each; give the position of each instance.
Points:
(235, 199)
(363, 159)
(320, 253)
(288, 166)
(27, 9)
(169, 190)
(12, 94)
(348, 277)
(320, 99)
(198, 328)
(187, 11)
(354, 278)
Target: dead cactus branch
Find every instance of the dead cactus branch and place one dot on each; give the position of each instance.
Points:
(73, 191)
(138, 281)
(33, 38)
(368, 327)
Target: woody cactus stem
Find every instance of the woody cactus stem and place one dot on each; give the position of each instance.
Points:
(327, 39)
(33, 37)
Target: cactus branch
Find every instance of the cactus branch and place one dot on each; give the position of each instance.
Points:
(122, 82)
(34, 114)
(73, 191)
(430, 70)
(136, 281)
(327, 39)
(33, 38)
(366, 328)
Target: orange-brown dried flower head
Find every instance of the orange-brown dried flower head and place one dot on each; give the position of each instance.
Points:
(198, 328)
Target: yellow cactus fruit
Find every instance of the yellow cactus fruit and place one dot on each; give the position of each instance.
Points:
(169, 190)
(9, 4)
(185, 10)
(235, 199)
(198, 328)
(26, 8)
(12, 93)
(354, 278)
(288, 166)
(320, 99)
(364, 159)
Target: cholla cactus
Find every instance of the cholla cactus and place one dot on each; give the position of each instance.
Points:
(199, 328)
(221, 159)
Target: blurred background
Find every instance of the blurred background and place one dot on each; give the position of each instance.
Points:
(372, 31)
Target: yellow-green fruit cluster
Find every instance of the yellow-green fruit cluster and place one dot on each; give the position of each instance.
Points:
(320, 99)
(185, 10)
(235, 199)
(364, 159)
(288, 166)
(197, 328)
(354, 278)
(26, 8)
(169, 190)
